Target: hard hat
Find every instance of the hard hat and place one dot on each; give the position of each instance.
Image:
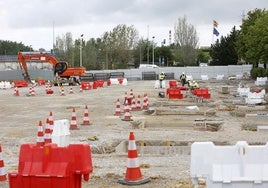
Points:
(182, 72)
(162, 73)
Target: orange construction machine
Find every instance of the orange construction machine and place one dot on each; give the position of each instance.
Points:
(62, 71)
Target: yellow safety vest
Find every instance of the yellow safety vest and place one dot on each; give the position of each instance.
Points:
(161, 76)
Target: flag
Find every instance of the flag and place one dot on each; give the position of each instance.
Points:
(215, 32)
(215, 23)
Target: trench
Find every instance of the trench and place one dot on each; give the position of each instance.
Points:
(201, 124)
(160, 147)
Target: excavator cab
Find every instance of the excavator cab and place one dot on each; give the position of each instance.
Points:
(60, 67)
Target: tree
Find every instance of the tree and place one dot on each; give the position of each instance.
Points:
(224, 52)
(119, 44)
(203, 55)
(64, 49)
(186, 42)
(164, 54)
(140, 52)
(11, 48)
(92, 58)
(252, 36)
(257, 40)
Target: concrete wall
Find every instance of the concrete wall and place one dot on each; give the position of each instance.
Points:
(11, 71)
(17, 74)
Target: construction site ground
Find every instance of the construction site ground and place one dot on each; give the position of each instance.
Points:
(163, 134)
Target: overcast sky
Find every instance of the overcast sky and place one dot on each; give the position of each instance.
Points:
(35, 22)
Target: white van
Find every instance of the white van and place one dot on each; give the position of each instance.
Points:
(147, 66)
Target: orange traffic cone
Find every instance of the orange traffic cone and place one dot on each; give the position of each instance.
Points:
(47, 136)
(71, 90)
(40, 135)
(3, 174)
(32, 92)
(133, 173)
(131, 96)
(81, 89)
(48, 89)
(62, 91)
(50, 122)
(117, 108)
(133, 104)
(73, 124)
(86, 118)
(145, 104)
(127, 116)
(138, 103)
(16, 91)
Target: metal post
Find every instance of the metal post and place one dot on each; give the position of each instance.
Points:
(153, 50)
(81, 57)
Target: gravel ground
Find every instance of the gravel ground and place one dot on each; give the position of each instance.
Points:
(20, 116)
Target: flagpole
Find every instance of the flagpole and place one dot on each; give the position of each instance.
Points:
(53, 38)
(212, 33)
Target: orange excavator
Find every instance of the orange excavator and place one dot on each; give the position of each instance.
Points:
(62, 71)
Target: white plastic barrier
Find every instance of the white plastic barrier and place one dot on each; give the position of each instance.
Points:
(189, 78)
(243, 91)
(238, 166)
(255, 98)
(124, 83)
(220, 77)
(204, 77)
(61, 132)
(5, 85)
(115, 81)
(260, 81)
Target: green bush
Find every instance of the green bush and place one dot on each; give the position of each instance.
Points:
(258, 72)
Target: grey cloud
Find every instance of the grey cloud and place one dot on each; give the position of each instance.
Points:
(41, 13)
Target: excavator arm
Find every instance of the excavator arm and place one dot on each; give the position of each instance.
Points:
(23, 58)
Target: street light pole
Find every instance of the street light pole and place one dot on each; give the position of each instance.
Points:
(106, 59)
(153, 50)
(81, 60)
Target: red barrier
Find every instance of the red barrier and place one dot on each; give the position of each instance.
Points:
(20, 83)
(172, 83)
(202, 92)
(120, 80)
(174, 93)
(100, 83)
(183, 88)
(108, 82)
(52, 166)
(86, 85)
(41, 82)
(95, 84)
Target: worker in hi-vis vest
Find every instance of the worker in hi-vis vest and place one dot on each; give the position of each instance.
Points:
(162, 76)
(183, 79)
